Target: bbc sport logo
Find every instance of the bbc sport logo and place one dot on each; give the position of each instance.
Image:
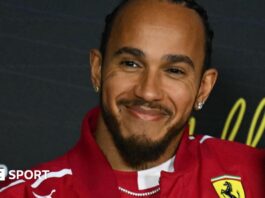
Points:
(19, 174)
(3, 172)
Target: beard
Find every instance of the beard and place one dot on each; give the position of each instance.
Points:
(138, 150)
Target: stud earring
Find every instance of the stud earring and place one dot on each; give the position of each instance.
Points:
(200, 105)
(96, 88)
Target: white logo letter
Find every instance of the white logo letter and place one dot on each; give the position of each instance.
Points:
(3, 172)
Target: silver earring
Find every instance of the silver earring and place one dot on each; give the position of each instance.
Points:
(200, 105)
(96, 88)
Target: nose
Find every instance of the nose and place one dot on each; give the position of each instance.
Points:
(149, 86)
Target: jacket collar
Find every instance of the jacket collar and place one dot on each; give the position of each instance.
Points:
(93, 173)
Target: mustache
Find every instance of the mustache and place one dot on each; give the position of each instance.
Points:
(141, 102)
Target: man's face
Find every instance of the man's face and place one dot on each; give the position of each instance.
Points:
(152, 69)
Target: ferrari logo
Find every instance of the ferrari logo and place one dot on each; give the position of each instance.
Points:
(228, 186)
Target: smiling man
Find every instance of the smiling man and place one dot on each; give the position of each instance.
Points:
(150, 75)
(151, 71)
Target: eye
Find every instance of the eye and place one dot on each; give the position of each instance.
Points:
(130, 64)
(175, 71)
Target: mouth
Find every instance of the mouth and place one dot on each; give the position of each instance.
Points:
(146, 113)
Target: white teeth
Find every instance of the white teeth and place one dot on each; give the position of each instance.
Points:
(145, 107)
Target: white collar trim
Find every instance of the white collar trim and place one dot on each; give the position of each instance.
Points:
(150, 177)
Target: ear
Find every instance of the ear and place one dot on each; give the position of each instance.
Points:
(207, 83)
(95, 59)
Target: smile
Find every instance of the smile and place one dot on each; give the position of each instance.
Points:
(146, 113)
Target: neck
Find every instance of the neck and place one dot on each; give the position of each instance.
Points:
(105, 141)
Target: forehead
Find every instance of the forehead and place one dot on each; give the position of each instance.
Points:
(157, 24)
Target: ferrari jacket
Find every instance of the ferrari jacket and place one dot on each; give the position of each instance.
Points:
(204, 167)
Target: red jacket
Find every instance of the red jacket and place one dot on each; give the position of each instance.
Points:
(204, 168)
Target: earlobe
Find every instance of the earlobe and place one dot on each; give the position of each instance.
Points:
(95, 59)
(207, 83)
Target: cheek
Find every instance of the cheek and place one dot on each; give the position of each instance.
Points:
(115, 86)
(182, 99)
(182, 95)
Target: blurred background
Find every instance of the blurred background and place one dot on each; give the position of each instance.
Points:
(45, 88)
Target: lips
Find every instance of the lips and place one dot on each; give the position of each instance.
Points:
(146, 113)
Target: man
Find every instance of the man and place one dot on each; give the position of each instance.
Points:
(151, 71)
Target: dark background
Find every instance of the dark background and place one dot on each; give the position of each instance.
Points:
(44, 74)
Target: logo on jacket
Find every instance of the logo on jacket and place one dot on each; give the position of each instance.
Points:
(45, 196)
(228, 186)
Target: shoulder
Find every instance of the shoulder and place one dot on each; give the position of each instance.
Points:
(229, 157)
(226, 148)
(213, 161)
(41, 181)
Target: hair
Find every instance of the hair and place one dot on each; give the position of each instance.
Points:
(110, 18)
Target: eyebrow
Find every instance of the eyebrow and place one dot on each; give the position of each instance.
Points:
(176, 58)
(173, 58)
(130, 50)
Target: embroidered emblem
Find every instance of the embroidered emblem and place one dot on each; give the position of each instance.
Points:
(45, 196)
(228, 186)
